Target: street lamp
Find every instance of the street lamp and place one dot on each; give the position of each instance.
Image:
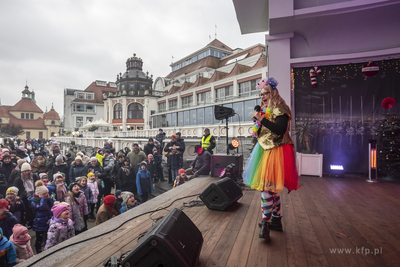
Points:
(129, 127)
(120, 128)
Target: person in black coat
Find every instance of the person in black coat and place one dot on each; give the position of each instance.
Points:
(160, 137)
(148, 148)
(181, 144)
(168, 148)
(7, 168)
(151, 167)
(115, 171)
(201, 164)
(127, 178)
(76, 169)
(60, 166)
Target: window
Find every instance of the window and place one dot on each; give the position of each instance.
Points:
(203, 98)
(192, 117)
(22, 115)
(28, 135)
(118, 111)
(208, 115)
(27, 116)
(80, 95)
(31, 116)
(186, 118)
(1, 121)
(224, 93)
(187, 101)
(180, 118)
(90, 108)
(173, 104)
(40, 134)
(162, 107)
(139, 128)
(200, 116)
(52, 133)
(89, 119)
(249, 109)
(159, 85)
(89, 97)
(135, 111)
(79, 122)
(53, 122)
(249, 88)
(238, 107)
(122, 86)
(131, 86)
(142, 86)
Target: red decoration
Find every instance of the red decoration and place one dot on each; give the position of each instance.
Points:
(313, 72)
(388, 102)
(370, 69)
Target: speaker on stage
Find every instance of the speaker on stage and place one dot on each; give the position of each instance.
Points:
(173, 241)
(218, 162)
(221, 194)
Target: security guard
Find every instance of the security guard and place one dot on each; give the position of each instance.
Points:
(208, 141)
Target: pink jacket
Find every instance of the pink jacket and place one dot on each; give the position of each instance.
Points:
(95, 189)
(24, 252)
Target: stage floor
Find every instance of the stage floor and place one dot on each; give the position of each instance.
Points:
(328, 222)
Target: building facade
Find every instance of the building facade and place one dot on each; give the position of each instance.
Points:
(30, 117)
(129, 108)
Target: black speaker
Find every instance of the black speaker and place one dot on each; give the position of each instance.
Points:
(218, 162)
(221, 194)
(222, 113)
(174, 241)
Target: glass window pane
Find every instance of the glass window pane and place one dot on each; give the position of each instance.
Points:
(192, 117)
(180, 118)
(248, 109)
(200, 116)
(173, 119)
(208, 115)
(168, 120)
(186, 118)
(238, 107)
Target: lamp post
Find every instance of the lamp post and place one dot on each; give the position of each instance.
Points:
(120, 128)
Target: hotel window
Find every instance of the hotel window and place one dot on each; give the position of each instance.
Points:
(162, 107)
(224, 93)
(22, 115)
(27, 116)
(28, 135)
(186, 118)
(238, 107)
(31, 116)
(79, 122)
(89, 97)
(131, 86)
(53, 122)
(89, 119)
(173, 104)
(208, 115)
(203, 98)
(249, 88)
(180, 118)
(187, 101)
(90, 108)
(200, 116)
(135, 111)
(118, 111)
(192, 117)
(40, 134)
(81, 96)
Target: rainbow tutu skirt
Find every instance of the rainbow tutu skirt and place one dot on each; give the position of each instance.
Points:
(271, 170)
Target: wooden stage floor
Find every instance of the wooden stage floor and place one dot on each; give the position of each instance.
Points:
(328, 222)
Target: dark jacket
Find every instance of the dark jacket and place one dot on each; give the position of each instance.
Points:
(181, 143)
(6, 169)
(151, 168)
(3, 185)
(174, 160)
(17, 208)
(63, 167)
(97, 170)
(41, 208)
(148, 149)
(76, 170)
(160, 138)
(14, 175)
(8, 223)
(202, 163)
(127, 182)
(19, 183)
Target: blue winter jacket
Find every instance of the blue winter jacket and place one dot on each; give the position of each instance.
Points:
(8, 223)
(41, 208)
(125, 208)
(8, 255)
(143, 182)
(75, 171)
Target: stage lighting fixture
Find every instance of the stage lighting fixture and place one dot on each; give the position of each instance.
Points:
(336, 171)
(234, 144)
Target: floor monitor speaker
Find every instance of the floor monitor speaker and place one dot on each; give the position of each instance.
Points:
(173, 241)
(218, 162)
(221, 194)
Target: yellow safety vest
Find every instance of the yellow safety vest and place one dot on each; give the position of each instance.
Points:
(205, 142)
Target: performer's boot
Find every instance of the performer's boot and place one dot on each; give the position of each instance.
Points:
(276, 223)
(264, 233)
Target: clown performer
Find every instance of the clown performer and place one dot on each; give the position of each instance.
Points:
(272, 163)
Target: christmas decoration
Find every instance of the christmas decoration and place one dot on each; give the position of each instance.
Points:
(388, 103)
(313, 72)
(370, 69)
(389, 143)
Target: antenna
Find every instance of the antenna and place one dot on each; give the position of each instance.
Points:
(209, 38)
(172, 61)
(215, 31)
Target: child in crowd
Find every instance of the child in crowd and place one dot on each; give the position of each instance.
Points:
(43, 176)
(92, 183)
(51, 192)
(21, 240)
(129, 201)
(61, 226)
(78, 207)
(181, 178)
(100, 157)
(83, 185)
(8, 256)
(41, 205)
(143, 182)
(7, 220)
(106, 210)
(16, 206)
(60, 187)
(118, 202)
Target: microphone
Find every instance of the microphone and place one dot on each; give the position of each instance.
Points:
(258, 109)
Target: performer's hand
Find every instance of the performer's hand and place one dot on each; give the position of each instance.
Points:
(257, 115)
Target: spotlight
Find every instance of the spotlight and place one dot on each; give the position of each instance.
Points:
(234, 144)
(336, 171)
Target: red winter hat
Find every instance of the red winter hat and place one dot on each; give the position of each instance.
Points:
(109, 202)
(181, 171)
(3, 203)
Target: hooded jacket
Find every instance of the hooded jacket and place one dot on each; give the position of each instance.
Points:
(202, 163)
(24, 252)
(78, 210)
(8, 255)
(143, 182)
(59, 231)
(75, 171)
(41, 208)
(38, 166)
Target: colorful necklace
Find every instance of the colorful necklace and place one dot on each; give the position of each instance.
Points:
(266, 113)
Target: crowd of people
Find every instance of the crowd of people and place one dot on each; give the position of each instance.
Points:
(56, 195)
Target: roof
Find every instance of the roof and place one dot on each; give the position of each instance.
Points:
(238, 69)
(4, 111)
(209, 62)
(98, 91)
(219, 44)
(26, 104)
(51, 115)
(28, 124)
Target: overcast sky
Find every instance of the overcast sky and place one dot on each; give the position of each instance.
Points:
(69, 44)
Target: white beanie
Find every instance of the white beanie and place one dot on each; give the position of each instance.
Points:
(41, 190)
(93, 159)
(60, 158)
(25, 167)
(125, 196)
(78, 157)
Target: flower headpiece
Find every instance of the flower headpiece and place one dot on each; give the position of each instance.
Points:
(271, 82)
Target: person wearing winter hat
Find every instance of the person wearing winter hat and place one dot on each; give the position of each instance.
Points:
(43, 176)
(41, 203)
(78, 207)
(118, 202)
(148, 148)
(60, 187)
(16, 206)
(16, 172)
(61, 226)
(129, 201)
(160, 137)
(92, 184)
(106, 210)
(6, 170)
(52, 160)
(144, 183)
(76, 169)
(7, 249)
(84, 187)
(181, 179)
(21, 240)
(7, 220)
(38, 164)
(61, 166)
(99, 157)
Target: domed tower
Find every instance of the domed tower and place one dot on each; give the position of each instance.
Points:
(134, 82)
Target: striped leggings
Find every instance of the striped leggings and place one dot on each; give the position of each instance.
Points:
(270, 205)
